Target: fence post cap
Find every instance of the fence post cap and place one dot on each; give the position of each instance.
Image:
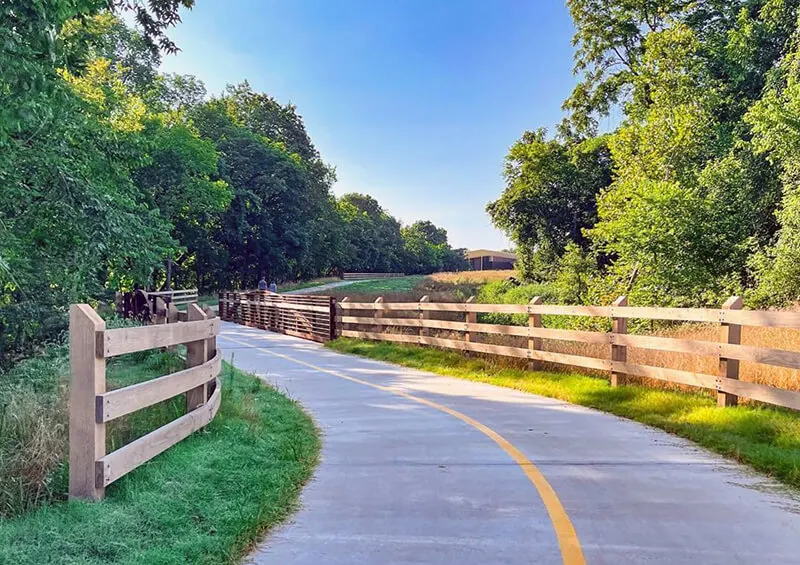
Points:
(425, 298)
(195, 313)
(621, 301)
(87, 312)
(471, 299)
(733, 303)
(379, 299)
(345, 299)
(536, 300)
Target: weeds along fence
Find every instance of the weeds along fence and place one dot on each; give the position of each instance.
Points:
(306, 316)
(415, 322)
(91, 406)
(370, 276)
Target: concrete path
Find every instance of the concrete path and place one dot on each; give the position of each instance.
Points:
(322, 287)
(418, 468)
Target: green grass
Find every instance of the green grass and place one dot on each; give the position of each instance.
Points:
(306, 284)
(205, 500)
(767, 439)
(206, 300)
(398, 284)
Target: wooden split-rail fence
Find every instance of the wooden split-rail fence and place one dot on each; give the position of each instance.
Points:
(306, 316)
(91, 406)
(413, 322)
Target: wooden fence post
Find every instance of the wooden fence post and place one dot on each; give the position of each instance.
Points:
(172, 313)
(333, 319)
(196, 354)
(160, 311)
(340, 312)
(470, 318)
(729, 368)
(534, 343)
(87, 438)
(378, 315)
(422, 316)
(619, 352)
(211, 343)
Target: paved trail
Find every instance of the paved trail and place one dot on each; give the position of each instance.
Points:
(418, 468)
(320, 288)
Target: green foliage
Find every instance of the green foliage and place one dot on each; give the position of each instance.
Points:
(700, 203)
(776, 125)
(549, 197)
(427, 251)
(111, 171)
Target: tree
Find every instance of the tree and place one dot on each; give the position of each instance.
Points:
(776, 125)
(549, 199)
(372, 237)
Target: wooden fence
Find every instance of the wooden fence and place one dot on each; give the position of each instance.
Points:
(309, 317)
(142, 305)
(91, 469)
(177, 297)
(370, 276)
(416, 317)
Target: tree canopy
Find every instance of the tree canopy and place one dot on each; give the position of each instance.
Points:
(111, 169)
(692, 196)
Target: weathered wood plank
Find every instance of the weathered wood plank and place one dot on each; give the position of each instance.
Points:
(128, 340)
(761, 393)
(112, 405)
(619, 352)
(671, 375)
(196, 355)
(87, 438)
(124, 460)
(403, 338)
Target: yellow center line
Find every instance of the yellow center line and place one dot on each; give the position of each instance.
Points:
(568, 542)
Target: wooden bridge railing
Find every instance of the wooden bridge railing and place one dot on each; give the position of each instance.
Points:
(306, 316)
(91, 469)
(415, 316)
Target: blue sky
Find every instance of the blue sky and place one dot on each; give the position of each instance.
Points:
(413, 102)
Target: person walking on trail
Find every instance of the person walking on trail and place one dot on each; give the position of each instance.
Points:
(262, 284)
(273, 287)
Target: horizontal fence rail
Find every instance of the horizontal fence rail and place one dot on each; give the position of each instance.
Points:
(368, 276)
(177, 297)
(305, 316)
(91, 469)
(393, 321)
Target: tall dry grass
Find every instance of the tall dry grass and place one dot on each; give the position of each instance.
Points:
(478, 277)
(34, 421)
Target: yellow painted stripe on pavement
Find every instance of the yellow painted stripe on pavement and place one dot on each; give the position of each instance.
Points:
(568, 542)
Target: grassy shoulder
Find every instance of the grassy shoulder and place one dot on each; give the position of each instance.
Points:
(205, 500)
(768, 439)
(393, 285)
(289, 287)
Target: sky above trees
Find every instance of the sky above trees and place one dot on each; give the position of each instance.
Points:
(413, 102)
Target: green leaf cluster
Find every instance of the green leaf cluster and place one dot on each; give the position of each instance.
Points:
(694, 193)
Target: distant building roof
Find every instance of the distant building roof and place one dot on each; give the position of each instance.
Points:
(475, 253)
